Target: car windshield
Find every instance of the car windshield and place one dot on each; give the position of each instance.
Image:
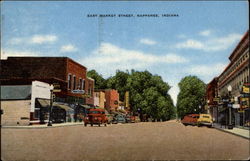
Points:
(94, 112)
(205, 117)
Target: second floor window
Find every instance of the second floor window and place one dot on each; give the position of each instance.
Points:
(74, 82)
(69, 81)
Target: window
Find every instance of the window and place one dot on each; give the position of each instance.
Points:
(69, 81)
(80, 84)
(83, 84)
(74, 82)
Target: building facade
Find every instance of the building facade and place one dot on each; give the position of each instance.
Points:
(212, 99)
(112, 100)
(231, 83)
(69, 75)
(99, 99)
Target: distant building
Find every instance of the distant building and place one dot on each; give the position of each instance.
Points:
(90, 91)
(212, 98)
(99, 98)
(112, 99)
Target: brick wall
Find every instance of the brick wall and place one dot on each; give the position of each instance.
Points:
(112, 99)
(15, 112)
(33, 67)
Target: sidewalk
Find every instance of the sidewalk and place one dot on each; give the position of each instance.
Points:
(235, 131)
(44, 125)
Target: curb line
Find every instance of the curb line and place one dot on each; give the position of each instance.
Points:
(37, 127)
(244, 137)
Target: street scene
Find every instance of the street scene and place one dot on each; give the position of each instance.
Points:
(139, 141)
(108, 81)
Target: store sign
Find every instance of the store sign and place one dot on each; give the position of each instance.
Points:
(77, 91)
(245, 89)
(56, 87)
(236, 106)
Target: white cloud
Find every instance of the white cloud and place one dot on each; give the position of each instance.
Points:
(192, 44)
(68, 48)
(147, 41)
(40, 39)
(108, 57)
(214, 44)
(35, 39)
(205, 33)
(8, 53)
(206, 71)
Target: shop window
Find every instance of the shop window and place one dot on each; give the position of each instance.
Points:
(69, 81)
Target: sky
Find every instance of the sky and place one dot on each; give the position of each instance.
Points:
(197, 40)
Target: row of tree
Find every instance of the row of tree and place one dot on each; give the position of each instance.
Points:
(149, 93)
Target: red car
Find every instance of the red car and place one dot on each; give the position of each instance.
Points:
(190, 119)
(96, 116)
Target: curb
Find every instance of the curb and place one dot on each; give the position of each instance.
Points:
(244, 137)
(40, 127)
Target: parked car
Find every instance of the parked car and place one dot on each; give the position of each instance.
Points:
(137, 119)
(190, 119)
(119, 119)
(205, 120)
(132, 119)
(128, 118)
(96, 116)
(110, 118)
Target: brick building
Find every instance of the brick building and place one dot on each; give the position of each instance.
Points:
(212, 98)
(90, 91)
(235, 77)
(64, 71)
(112, 99)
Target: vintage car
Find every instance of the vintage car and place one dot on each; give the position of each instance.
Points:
(132, 119)
(205, 120)
(119, 119)
(96, 117)
(190, 119)
(110, 118)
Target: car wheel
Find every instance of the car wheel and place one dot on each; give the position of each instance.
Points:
(105, 124)
(91, 124)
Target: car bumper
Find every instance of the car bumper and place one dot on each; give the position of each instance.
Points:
(206, 123)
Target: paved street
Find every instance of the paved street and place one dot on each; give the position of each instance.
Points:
(139, 141)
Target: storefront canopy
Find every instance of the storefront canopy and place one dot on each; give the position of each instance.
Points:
(63, 106)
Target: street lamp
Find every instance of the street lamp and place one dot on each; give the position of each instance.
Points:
(51, 104)
(229, 88)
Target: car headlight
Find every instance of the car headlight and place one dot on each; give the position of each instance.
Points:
(95, 118)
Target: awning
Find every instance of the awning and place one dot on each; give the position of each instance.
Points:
(65, 107)
(86, 106)
(44, 102)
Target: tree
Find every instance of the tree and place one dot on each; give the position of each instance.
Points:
(100, 82)
(148, 92)
(191, 95)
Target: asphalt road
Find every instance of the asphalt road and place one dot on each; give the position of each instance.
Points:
(139, 141)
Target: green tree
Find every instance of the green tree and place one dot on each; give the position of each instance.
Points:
(119, 82)
(100, 82)
(191, 95)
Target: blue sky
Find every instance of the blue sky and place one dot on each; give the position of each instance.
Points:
(197, 42)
